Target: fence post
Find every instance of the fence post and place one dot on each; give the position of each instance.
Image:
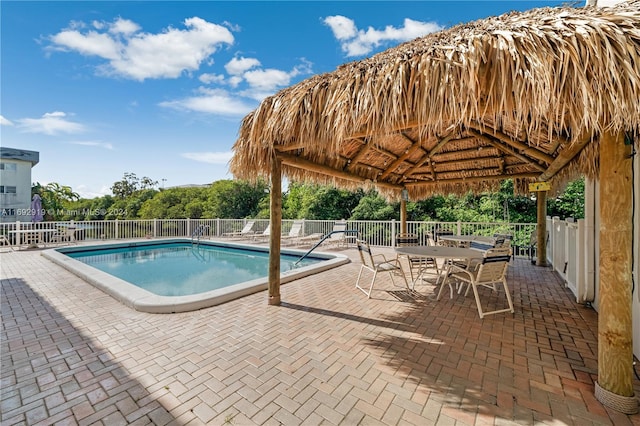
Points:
(459, 226)
(393, 232)
(155, 228)
(188, 227)
(117, 230)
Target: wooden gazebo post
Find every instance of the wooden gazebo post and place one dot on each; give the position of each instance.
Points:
(275, 223)
(403, 216)
(614, 387)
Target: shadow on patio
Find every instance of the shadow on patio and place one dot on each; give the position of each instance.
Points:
(53, 372)
(327, 355)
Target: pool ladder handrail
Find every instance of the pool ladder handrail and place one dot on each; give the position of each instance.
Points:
(198, 232)
(346, 232)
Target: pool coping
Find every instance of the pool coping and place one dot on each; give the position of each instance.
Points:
(142, 300)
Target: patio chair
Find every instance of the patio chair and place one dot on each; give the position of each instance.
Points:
(244, 233)
(4, 241)
(339, 236)
(488, 273)
(417, 263)
(294, 232)
(67, 235)
(376, 264)
(264, 234)
(310, 239)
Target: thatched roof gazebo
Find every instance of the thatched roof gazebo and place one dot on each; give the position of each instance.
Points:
(538, 96)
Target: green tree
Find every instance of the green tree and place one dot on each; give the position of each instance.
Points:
(570, 203)
(130, 184)
(56, 199)
(235, 199)
(373, 207)
(319, 202)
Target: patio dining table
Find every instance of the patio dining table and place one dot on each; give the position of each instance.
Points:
(467, 238)
(439, 252)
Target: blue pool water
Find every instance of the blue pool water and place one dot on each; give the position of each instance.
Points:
(180, 269)
(167, 276)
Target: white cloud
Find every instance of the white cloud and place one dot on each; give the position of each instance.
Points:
(343, 28)
(260, 84)
(5, 122)
(265, 82)
(209, 157)
(213, 101)
(268, 79)
(136, 55)
(237, 66)
(355, 42)
(50, 124)
(124, 26)
(211, 78)
(104, 145)
(91, 44)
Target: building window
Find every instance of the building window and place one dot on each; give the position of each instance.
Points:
(10, 167)
(7, 189)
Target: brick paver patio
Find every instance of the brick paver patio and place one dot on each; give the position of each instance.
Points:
(74, 355)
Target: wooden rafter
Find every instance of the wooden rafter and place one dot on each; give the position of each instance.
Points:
(519, 146)
(415, 146)
(564, 158)
(286, 148)
(356, 159)
(294, 161)
(508, 150)
(472, 179)
(428, 155)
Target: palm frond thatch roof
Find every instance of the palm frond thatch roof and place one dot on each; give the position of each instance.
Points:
(521, 96)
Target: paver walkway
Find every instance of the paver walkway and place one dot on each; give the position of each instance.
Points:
(328, 355)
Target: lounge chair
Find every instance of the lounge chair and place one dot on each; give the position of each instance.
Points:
(340, 236)
(294, 232)
(310, 239)
(246, 232)
(264, 235)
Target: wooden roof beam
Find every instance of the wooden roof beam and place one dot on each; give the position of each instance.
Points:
(427, 156)
(499, 145)
(295, 161)
(356, 159)
(285, 148)
(408, 153)
(523, 148)
(473, 179)
(565, 157)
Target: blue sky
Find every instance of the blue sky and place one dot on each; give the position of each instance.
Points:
(159, 88)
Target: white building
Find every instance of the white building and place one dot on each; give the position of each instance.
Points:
(15, 183)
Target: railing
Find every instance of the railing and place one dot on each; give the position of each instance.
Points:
(566, 248)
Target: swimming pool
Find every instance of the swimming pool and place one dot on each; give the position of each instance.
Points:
(166, 276)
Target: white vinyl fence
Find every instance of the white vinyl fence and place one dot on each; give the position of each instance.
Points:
(566, 247)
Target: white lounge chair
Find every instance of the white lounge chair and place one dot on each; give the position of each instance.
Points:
(264, 235)
(246, 232)
(339, 236)
(294, 233)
